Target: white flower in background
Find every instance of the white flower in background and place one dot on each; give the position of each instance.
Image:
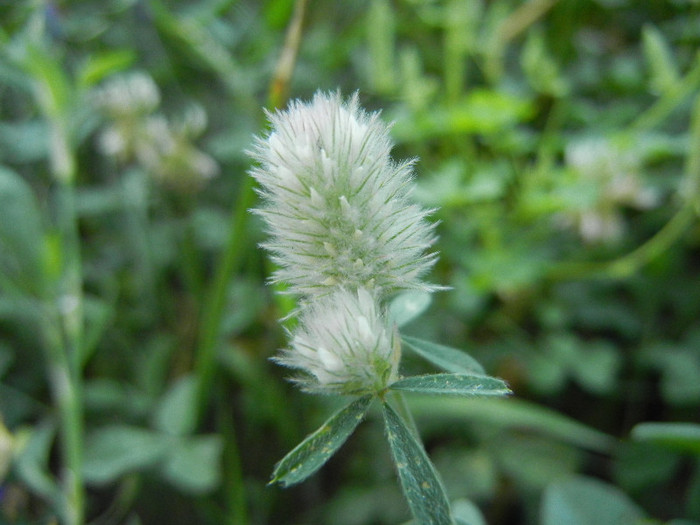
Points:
(129, 94)
(615, 174)
(343, 345)
(134, 132)
(335, 203)
(170, 156)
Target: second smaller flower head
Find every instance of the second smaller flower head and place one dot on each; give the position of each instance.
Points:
(343, 345)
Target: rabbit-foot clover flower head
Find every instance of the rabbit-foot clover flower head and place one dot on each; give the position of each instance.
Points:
(336, 205)
(343, 345)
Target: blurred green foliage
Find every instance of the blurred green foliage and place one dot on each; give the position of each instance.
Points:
(560, 145)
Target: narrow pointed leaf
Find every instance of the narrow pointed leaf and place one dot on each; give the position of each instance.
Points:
(419, 480)
(445, 357)
(311, 454)
(453, 384)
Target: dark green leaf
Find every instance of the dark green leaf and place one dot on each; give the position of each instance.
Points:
(679, 436)
(445, 357)
(585, 501)
(311, 454)
(642, 465)
(453, 384)
(98, 315)
(419, 479)
(21, 232)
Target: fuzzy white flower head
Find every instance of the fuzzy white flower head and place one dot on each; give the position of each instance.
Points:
(336, 205)
(343, 345)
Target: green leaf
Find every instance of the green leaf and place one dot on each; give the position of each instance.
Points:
(540, 68)
(643, 465)
(510, 413)
(419, 480)
(102, 65)
(193, 465)
(533, 461)
(312, 453)
(585, 501)
(597, 367)
(32, 464)
(662, 65)
(176, 412)
(113, 451)
(52, 85)
(453, 384)
(98, 315)
(445, 357)
(684, 437)
(24, 141)
(466, 512)
(21, 233)
(679, 382)
(481, 111)
(405, 307)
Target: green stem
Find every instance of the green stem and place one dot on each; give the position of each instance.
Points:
(237, 511)
(63, 331)
(215, 300)
(68, 395)
(523, 17)
(628, 264)
(279, 87)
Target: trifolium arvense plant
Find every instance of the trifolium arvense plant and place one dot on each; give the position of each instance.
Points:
(354, 250)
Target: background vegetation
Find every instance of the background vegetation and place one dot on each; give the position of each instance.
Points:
(559, 143)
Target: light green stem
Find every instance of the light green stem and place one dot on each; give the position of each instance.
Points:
(628, 264)
(67, 398)
(63, 334)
